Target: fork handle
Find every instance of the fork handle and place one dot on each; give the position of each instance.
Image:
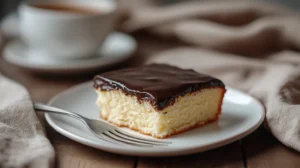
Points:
(49, 109)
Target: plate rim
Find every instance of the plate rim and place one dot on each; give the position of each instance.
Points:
(100, 63)
(170, 152)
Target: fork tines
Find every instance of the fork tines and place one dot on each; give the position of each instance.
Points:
(120, 136)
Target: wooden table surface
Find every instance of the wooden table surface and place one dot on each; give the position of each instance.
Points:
(259, 149)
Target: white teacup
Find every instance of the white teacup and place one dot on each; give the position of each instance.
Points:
(66, 34)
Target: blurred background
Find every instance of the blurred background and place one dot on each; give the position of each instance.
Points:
(7, 6)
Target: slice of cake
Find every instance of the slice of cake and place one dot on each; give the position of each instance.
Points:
(158, 99)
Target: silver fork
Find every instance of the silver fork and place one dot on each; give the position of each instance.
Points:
(103, 130)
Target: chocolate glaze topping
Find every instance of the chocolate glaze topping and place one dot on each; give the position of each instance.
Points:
(159, 84)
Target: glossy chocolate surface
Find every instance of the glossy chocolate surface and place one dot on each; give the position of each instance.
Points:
(159, 84)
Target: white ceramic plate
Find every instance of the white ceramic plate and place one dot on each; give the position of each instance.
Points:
(241, 115)
(117, 48)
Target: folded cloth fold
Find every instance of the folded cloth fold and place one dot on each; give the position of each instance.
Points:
(250, 45)
(22, 139)
(241, 27)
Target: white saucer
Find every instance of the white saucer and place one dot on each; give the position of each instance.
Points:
(117, 48)
(241, 115)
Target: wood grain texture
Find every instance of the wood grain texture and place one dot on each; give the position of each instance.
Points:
(229, 156)
(264, 151)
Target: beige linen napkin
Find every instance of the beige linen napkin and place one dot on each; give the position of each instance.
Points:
(249, 45)
(22, 139)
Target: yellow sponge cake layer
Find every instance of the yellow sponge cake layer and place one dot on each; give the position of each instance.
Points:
(191, 110)
(158, 99)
